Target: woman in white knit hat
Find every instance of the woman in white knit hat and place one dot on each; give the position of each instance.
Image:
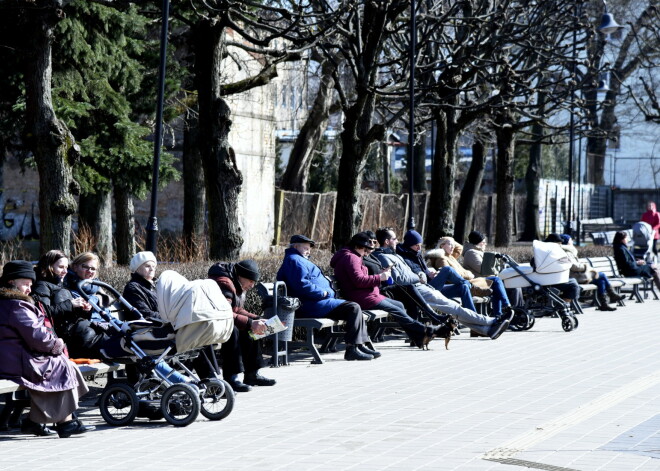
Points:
(140, 292)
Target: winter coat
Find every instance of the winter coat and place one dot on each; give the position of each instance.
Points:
(31, 354)
(305, 281)
(473, 257)
(582, 272)
(414, 259)
(626, 261)
(653, 219)
(141, 294)
(354, 280)
(402, 274)
(231, 288)
(55, 299)
(438, 258)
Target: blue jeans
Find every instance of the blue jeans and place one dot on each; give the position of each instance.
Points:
(602, 283)
(499, 299)
(459, 287)
(167, 371)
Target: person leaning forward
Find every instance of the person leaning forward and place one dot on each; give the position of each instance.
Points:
(305, 281)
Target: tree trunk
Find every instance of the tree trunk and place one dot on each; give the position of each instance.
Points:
(95, 213)
(419, 179)
(466, 203)
(504, 186)
(297, 170)
(356, 138)
(50, 141)
(125, 232)
(194, 196)
(532, 177)
(440, 211)
(222, 177)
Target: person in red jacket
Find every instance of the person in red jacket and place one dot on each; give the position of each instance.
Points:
(241, 353)
(652, 218)
(358, 286)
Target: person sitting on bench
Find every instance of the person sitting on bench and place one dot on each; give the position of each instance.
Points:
(305, 281)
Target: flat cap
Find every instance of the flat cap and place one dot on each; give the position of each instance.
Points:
(301, 239)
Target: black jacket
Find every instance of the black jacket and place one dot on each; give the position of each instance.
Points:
(56, 301)
(415, 260)
(141, 294)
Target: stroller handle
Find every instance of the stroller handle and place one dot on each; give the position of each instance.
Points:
(112, 291)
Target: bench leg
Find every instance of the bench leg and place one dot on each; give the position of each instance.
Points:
(636, 294)
(312, 347)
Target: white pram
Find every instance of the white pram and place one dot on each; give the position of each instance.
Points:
(642, 238)
(551, 267)
(201, 318)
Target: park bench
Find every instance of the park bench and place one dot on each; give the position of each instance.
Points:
(631, 285)
(590, 289)
(310, 326)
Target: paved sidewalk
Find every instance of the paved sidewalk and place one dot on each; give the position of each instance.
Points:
(544, 399)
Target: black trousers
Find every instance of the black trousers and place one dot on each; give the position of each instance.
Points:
(356, 327)
(241, 354)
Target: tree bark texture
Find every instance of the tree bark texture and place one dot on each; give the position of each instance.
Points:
(440, 212)
(51, 142)
(504, 186)
(222, 177)
(296, 174)
(95, 213)
(467, 200)
(125, 226)
(419, 179)
(194, 193)
(532, 180)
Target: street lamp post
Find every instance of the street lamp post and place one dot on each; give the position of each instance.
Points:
(411, 121)
(152, 225)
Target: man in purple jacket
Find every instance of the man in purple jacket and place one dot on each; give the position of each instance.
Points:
(305, 281)
(357, 285)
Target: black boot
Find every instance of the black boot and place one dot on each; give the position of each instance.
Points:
(602, 300)
(353, 353)
(255, 379)
(369, 351)
(237, 385)
(614, 296)
(72, 427)
(40, 430)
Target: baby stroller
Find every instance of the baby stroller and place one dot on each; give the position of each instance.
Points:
(541, 299)
(642, 237)
(179, 403)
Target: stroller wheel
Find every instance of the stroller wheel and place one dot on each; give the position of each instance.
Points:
(520, 319)
(575, 322)
(531, 320)
(217, 399)
(118, 404)
(180, 404)
(567, 323)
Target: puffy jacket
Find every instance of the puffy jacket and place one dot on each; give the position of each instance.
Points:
(141, 294)
(354, 280)
(473, 257)
(626, 261)
(305, 281)
(31, 354)
(582, 272)
(231, 289)
(56, 301)
(414, 259)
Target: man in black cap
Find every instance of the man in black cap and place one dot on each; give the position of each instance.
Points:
(241, 353)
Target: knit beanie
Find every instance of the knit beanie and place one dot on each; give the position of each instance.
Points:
(556, 238)
(141, 258)
(475, 237)
(565, 239)
(412, 238)
(17, 269)
(247, 269)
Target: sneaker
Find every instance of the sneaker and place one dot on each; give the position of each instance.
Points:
(255, 379)
(499, 326)
(369, 351)
(353, 353)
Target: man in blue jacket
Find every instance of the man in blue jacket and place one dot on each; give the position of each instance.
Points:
(305, 281)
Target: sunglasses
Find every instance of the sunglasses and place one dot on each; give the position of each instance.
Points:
(88, 268)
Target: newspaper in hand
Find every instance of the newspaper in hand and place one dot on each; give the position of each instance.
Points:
(273, 325)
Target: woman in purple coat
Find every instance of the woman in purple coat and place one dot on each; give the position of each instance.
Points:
(358, 286)
(33, 356)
